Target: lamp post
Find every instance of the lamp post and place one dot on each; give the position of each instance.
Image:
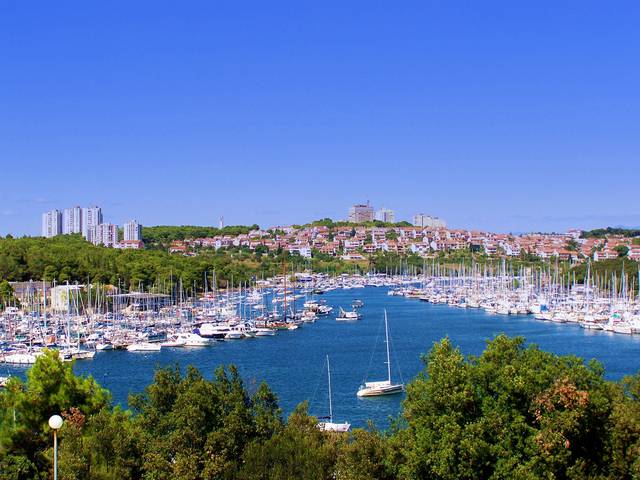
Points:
(55, 422)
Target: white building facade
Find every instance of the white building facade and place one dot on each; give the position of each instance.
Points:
(386, 215)
(132, 230)
(427, 221)
(51, 223)
(72, 220)
(105, 234)
(91, 218)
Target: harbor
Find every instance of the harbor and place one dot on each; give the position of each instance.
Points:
(290, 353)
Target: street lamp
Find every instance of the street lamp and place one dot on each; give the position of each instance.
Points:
(55, 422)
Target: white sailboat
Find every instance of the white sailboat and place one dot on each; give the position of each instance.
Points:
(383, 387)
(330, 426)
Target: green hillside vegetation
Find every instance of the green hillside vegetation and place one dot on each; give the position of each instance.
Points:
(605, 232)
(514, 412)
(606, 270)
(70, 258)
(161, 236)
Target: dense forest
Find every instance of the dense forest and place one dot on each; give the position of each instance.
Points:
(512, 412)
(70, 258)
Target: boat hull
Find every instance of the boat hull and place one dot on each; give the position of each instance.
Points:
(380, 391)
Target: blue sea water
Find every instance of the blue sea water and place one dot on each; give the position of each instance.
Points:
(293, 362)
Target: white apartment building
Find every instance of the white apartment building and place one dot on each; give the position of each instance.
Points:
(91, 218)
(132, 230)
(51, 223)
(104, 234)
(385, 215)
(72, 220)
(427, 221)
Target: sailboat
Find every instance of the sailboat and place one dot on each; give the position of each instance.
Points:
(330, 426)
(383, 387)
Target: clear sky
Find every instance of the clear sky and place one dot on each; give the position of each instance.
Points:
(506, 116)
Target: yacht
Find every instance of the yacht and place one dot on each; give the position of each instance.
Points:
(344, 315)
(144, 347)
(383, 387)
(173, 342)
(210, 330)
(192, 340)
(20, 358)
(265, 332)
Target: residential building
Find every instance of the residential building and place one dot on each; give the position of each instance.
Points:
(72, 220)
(104, 234)
(91, 218)
(63, 296)
(51, 223)
(427, 221)
(31, 294)
(130, 244)
(385, 215)
(361, 213)
(132, 230)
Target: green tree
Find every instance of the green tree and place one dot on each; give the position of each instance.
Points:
(51, 388)
(391, 235)
(622, 250)
(104, 446)
(513, 412)
(193, 428)
(572, 245)
(297, 451)
(365, 456)
(7, 296)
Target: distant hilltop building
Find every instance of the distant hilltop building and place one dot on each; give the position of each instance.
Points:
(361, 213)
(91, 218)
(427, 221)
(51, 223)
(89, 222)
(72, 220)
(385, 215)
(132, 230)
(105, 234)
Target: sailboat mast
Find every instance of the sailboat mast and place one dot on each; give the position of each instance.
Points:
(386, 334)
(330, 404)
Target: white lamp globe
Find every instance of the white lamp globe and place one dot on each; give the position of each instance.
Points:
(55, 422)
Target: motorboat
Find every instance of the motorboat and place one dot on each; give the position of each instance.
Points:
(192, 340)
(210, 330)
(344, 315)
(144, 347)
(265, 332)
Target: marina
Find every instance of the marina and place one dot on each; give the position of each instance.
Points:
(288, 351)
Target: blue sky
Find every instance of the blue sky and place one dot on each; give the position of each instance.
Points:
(506, 116)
